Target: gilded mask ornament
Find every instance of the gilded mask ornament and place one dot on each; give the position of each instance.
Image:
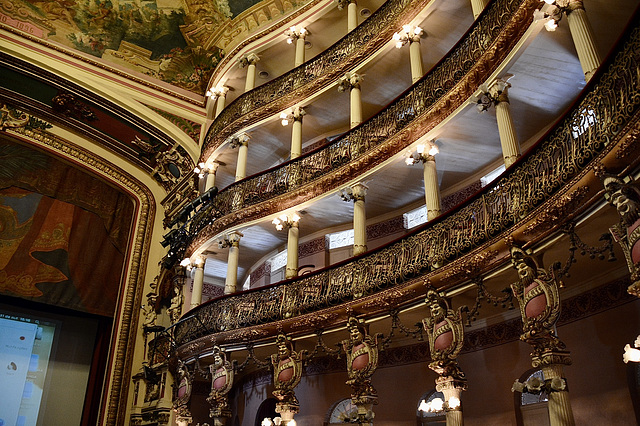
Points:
(625, 197)
(287, 372)
(362, 360)
(221, 383)
(537, 294)
(446, 335)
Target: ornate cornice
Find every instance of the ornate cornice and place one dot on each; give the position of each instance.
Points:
(126, 317)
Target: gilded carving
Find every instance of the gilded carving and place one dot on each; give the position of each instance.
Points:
(537, 294)
(287, 372)
(221, 383)
(557, 212)
(624, 195)
(445, 331)
(362, 361)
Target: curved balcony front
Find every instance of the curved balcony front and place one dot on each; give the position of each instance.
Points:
(427, 103)
(554, 182)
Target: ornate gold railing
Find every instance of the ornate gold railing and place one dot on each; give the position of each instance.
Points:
(611, 103)
(411, 110)
(310, 77)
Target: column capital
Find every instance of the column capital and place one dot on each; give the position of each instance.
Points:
(567, 6)
(499, 90)
(342, 3)
(349, 80)
(356, 192)
(234, 238)
(239, 140)
(248, 59)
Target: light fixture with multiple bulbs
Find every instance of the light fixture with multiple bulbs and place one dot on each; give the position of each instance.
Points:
(286, 220)
(294, 33)
(408, 34)
(438, 405)
(423, 152)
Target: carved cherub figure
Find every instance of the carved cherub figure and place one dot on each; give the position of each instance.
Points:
(445, 331)
(287, 370)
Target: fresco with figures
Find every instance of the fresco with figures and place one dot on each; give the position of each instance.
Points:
(170, 40)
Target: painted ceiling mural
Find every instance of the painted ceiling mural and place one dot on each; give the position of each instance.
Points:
(171, 40)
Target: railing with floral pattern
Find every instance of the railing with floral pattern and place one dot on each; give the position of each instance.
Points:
(612, 101)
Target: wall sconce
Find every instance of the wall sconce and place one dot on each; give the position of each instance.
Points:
(554, 16)
(408, 34)
(286, 220)
(204, 168)
(196, 262)
(294, 33)
(217, 91)
(632, 354)
(420, 156)
(487, 97)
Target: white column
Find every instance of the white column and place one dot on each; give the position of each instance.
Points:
(292, 251)
(198, 282)
(242, 143)
(211, 176)
(431, 187)
(221, 97)
(249, 61)
(583, 38)
(296, 130)
(477, 6)
(352, 16)
(358, 193)
(299, 59)
(352, 13)
(351, 81)
(506, 128)
(233, 242)
(209, 109)
(416, 60)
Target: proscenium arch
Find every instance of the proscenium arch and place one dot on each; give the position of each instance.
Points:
(113, 403)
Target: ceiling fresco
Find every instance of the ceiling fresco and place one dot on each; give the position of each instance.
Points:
(169, 40)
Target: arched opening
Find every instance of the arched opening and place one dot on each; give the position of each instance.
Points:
(341, 412)
(266, 409)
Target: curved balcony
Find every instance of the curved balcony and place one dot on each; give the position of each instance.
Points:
(309, 78)
(552, 183)
(438, 94)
